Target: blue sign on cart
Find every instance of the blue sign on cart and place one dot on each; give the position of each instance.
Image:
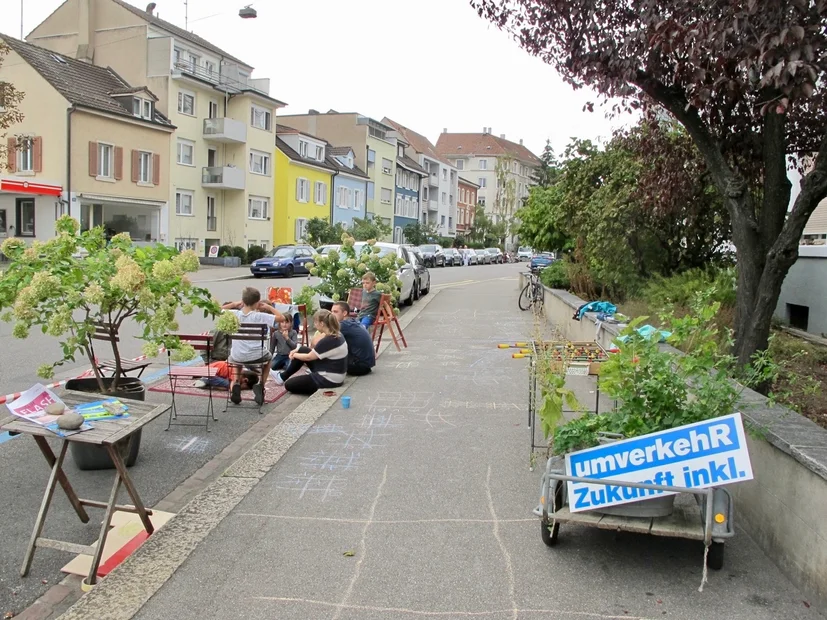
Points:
(696, 456)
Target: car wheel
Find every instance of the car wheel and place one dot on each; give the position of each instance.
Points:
(415, 290)
(425, 291)
(288, 273)
(409, 301)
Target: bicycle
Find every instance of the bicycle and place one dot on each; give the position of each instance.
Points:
(532, 294)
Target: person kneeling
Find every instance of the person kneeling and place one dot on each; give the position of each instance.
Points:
(327, 360)
(361, 357)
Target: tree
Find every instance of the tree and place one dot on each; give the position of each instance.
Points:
(546, 173)
(747, 82)
(505, 199)
(484, 232)
(320, 232)
(375, 228)
(10, 113)
(418, 233)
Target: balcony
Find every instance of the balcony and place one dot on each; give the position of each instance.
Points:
(433, 205)
(225, 130)
(223, 177)
(433, 180)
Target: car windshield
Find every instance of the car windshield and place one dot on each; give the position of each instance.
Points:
(524, 249)
(491, 250)
(383, 251)
(281, 253)
(428, 248)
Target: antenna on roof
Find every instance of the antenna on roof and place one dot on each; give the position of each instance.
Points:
(186, 14)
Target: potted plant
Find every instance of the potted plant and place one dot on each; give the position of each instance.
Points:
(76, 282)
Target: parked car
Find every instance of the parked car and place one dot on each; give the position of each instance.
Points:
(405, 273)
(524, 253)
(324, 249)
(473, 259)
(540, 261)
(452, 257)
(483, 257)
(496, 255)
(423, 276)
(284, 260)
(433, 255)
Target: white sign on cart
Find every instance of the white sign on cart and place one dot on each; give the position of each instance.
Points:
(696, 456)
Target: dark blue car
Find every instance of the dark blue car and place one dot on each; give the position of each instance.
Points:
(285, 260)
(540, 261)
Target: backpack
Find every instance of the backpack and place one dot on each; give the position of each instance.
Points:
(220, 350)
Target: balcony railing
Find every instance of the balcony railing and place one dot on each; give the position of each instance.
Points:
(225, 130)
(223, 177)
(221, 82)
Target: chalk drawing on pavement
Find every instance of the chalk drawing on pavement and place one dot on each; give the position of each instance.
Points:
(324, 461)
(400, 400)
(322, 486)
(192, 445)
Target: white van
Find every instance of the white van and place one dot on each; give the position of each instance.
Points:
(524, 253)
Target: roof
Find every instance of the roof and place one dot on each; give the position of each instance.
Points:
(355, 171)
(178, 32)
(462, 179)
(410, 164)
(291, 154)
(420, 143)
(285, 129)
(340, 150)
(81, 83)
(453, 144)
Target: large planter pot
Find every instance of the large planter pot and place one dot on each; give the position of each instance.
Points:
(88, 457)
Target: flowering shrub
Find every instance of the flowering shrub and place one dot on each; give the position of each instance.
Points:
(51, 286)
(341, 270)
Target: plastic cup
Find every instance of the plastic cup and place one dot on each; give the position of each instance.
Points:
(345, 402)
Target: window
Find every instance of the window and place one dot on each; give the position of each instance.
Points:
(341, 197)
(25, 155)
(194, 60)
(3, 221)
(398, 209)
(147, 109)
(209, 67)
(302, 190)
(142, 108)
(25, 217)
(186, 103)
(257, 208)
(302, 148)
(481, 201)
(358, 199)
(481, 182)
(265, 244)
(387, 166)
(445, 198)
(183, 203)
(397, 234)
(445, 174)
(451, 200)
(260, 117)
(425, 192)
(259, 163)
(321, 193)
(483, 164)
(177, 54)
(450, 222)
(212, 221)
(460, 164)
(400, 150)
(144, 167)
(350, 198)
(319, 153)
(186, 244)
(105, 160)
(371, 159)
(386, 196)
(371, 190)
(186, 152)
(442, 220)
(212, 110)
(251, 243)
(301, 228)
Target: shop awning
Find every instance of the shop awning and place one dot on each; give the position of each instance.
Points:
(138, 202)
(19, 186)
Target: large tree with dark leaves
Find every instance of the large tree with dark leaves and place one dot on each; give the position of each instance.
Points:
(746, 78)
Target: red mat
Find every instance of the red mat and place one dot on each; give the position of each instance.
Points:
(187, 387)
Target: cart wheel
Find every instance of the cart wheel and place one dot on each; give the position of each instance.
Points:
(549, 533)
(715, 557)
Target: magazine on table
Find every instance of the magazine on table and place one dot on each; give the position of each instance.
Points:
(31, 405)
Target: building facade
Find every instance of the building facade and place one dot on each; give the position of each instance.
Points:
(439, 190)
(504, 170)
(350, 186)
(409, 180)
(220, 182)
(466, 204)
(303, 183)
(90, 145)
(374, 147)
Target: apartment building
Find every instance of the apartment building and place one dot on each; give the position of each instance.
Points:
(504, 170)
(409, 181)
(89, 145)
(466, 204)
(440, 186)
(374, 147)
(220, 180)
(350, 186)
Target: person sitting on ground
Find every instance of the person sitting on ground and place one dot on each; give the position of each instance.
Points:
(370, 300)
(285, 339)
(327, 360)
(361, 357)
(220, 377)
(249, 352)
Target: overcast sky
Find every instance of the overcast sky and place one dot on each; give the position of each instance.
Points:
(428, 64)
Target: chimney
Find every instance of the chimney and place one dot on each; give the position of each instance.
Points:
(86, 31)
(502, 136)
(484, 130)
(150, 8)
(444, 130)
(521, 141)
(312, 111)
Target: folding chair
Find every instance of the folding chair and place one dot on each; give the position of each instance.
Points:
(354, 300)
(109, 333)
(386, 317)
(199, 342)
(249, 332)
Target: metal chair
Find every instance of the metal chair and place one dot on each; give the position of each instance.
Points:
(199, 342)
(249, 332)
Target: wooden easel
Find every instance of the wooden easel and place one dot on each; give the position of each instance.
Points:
(385, 316)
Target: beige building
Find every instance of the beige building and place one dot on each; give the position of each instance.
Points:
(220, 180)
(81, 150)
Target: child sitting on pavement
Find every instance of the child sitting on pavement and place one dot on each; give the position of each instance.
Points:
(285, 339)
(370, 300)
(220, 377)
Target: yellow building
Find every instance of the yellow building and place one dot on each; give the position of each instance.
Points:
(303, 181)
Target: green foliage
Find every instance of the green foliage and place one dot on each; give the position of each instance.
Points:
(307, 296)
(556, 275)
(375, 228)
(241, 253)
(484, 232)
(680, 289)
(45, 285)
(225, 250)
(256, 252)
(419, 233)
(320, 231)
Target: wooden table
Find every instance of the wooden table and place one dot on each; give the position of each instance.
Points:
(107, 434)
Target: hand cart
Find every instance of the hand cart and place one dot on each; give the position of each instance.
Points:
(709, 518)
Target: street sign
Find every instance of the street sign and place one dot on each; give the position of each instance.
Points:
(696, 456)
(213, 251)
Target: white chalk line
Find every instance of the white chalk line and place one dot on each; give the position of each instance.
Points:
(362, 548)
(555, 613)
(509, 567)
(380, 521)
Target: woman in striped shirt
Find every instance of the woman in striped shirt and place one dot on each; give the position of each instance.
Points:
(327, 360)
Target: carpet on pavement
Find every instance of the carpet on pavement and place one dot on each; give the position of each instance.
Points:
(187, 387)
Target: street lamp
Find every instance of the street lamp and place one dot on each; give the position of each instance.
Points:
(248, 12)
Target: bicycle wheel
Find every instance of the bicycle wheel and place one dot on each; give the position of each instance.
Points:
(525, 300)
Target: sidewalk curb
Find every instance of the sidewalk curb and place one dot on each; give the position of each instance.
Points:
(129, 586)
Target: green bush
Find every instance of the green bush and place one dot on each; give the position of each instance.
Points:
(555, 275)
(240, 253)
(681, 289)
(256, 252)
(225, 250)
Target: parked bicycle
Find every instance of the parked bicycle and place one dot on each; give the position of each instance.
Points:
(532, 295)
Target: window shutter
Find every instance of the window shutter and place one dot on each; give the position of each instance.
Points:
(11, 154)
(298, 190)
(136, 166)
(37, 155)
(93, 159)
(298, 230)
(156, 169)
(118, 163)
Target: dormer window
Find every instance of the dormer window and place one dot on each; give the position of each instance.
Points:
(400, 150)
(142, 108)
(303, 148)
(319, 153)
(349, 161)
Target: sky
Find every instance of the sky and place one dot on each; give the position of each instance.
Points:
(429, 64)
